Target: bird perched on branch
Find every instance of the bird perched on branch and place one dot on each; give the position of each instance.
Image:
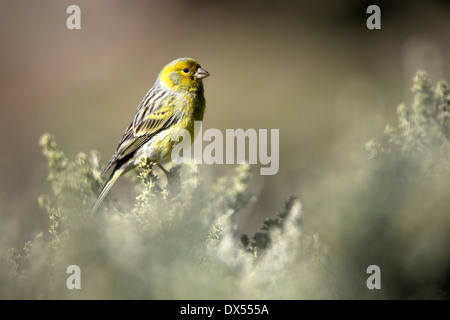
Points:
(171, 106)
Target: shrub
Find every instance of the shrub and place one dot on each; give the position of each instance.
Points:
(180, 241)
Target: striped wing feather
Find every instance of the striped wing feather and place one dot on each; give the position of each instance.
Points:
(150, 119)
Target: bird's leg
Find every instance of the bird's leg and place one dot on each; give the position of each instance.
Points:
(170, 175)
(164, 170)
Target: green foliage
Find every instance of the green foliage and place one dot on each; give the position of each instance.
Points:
(400, 206)
(423, 124)
(262, 240)
(176, 241)
(181, 240)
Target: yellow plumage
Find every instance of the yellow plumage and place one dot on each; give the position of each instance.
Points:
(174, 102)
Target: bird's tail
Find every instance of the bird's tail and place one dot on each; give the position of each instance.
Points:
(108, 185)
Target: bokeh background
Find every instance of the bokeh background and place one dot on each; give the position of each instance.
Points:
(310, 69)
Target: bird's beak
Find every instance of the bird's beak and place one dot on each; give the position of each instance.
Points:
(201, 73)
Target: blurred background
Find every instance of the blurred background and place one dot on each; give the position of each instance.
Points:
(310, 69)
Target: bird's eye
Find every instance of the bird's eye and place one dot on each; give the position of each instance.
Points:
(186, 70)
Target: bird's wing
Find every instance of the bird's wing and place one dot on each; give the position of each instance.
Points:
(148, 121)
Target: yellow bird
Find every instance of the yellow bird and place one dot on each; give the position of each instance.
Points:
(174, 102)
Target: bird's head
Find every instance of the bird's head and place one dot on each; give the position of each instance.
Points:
(183, 75)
